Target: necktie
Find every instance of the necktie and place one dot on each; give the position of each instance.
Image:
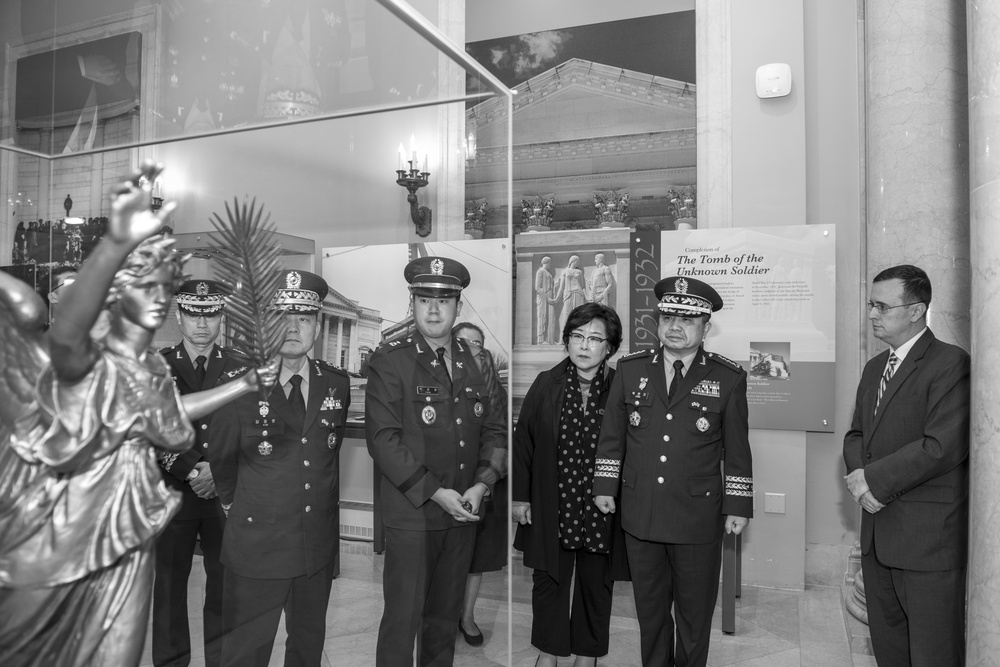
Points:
(444, 364)
(199, 371)
(296, 400)
(889, 370)
(676, 380)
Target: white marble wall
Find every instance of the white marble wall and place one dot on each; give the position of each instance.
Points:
(984, 161)
(917, 148)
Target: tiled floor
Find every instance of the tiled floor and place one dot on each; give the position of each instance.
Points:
(774, 628)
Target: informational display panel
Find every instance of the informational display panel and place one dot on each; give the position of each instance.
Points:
(778, 285)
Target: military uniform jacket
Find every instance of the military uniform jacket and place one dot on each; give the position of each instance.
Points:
(220, 368)
(915, 452)
(279, 479)
(426, 432)
(667, 453)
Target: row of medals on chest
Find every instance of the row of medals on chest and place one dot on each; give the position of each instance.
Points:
(708, 388)
(265, 448)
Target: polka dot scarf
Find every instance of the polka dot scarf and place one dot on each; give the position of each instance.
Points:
(581, 524)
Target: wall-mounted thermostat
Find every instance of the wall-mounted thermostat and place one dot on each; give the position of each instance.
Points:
(774, 80)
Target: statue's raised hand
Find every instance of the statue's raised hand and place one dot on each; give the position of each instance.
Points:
(132, 220)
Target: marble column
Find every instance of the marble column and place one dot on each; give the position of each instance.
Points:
(917, 152)
(983, 643)
(916, 163)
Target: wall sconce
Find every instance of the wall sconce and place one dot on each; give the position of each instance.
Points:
(68, 205)
(413, 180)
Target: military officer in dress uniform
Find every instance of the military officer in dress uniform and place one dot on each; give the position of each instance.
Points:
(197, 363)
(276, 471)
(440, 442)
(674, 413)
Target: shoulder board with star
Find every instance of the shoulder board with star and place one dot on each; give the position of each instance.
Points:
(724, 361)
(327, 366)
(397, 344)
(242, 370)
(169, 349)
(638, 354)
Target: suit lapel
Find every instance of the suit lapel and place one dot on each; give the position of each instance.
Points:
(657, 377)
(317, 392)
(907, 366)
(459, 364)
(427, 358)
(185, 368)
(279, 403)
(213, 370)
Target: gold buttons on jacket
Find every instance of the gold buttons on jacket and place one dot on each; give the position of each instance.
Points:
(309, 508)
(250, 519)
(461, 443)
(663, 459)
(666, 438)
(458, 421)
(264, 433)
(305, 463)
(204, 427)
(308, 486)
(305, 441)
(669, 416)
(659, 480)
(461, 466)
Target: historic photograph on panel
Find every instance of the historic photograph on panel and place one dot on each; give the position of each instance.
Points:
(770, 361)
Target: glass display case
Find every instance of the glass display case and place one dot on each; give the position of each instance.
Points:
(345, 120)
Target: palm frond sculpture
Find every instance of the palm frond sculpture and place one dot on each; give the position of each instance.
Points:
(248, 262)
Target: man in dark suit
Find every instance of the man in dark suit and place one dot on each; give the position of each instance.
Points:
(276, 471)
(674, 414)
(197, 363)
(441, 443)
(907, 456)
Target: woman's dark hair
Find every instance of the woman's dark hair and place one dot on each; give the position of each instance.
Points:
(582, 315)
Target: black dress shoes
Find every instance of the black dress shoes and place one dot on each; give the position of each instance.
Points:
(471, 640)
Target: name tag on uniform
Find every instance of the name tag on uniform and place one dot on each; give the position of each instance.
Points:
(707, 388)
(428, 391)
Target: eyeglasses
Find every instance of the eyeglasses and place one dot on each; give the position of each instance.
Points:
(593, 340)
(883, 309)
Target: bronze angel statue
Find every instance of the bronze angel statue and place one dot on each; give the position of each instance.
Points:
(83, 419)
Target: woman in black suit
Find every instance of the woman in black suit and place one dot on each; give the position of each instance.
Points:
(560, 529)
